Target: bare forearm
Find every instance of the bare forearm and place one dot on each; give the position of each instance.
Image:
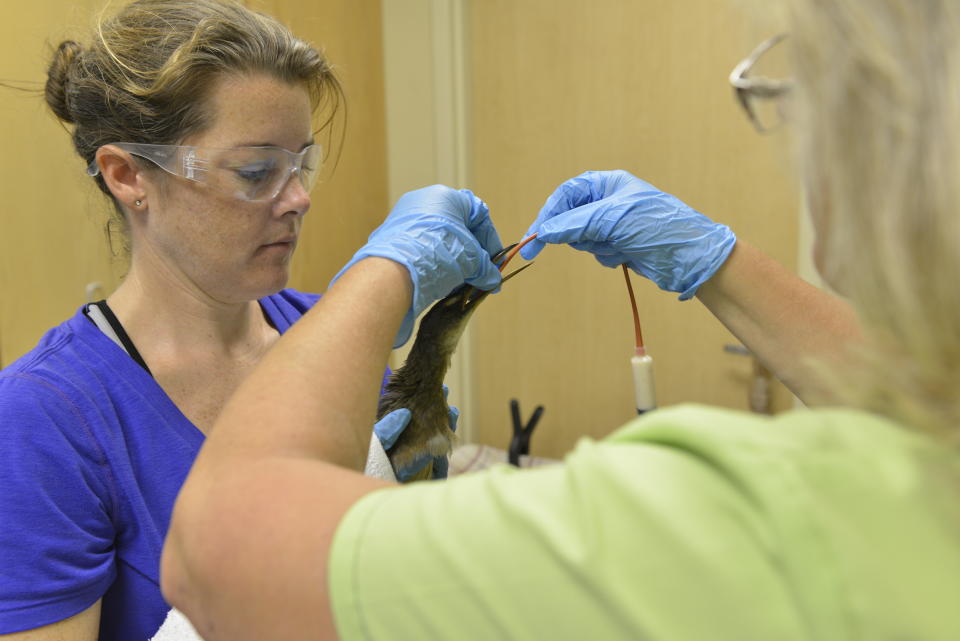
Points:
(315, 393)
(780, 317)
(245, 557)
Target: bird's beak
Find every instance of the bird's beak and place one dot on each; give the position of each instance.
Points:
(473, 296)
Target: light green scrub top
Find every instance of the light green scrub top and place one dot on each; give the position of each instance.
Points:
(691, 523)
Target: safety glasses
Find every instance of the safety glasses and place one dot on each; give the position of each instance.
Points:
(761, 97)
(247, 173)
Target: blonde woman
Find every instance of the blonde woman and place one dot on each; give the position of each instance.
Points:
(197, 119)
(690, 523)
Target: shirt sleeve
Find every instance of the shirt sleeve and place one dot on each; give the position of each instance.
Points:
(56, 532)
(621, 541)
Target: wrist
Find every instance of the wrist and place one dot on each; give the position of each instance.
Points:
(389, 279)
(709, 264)
(732, 278)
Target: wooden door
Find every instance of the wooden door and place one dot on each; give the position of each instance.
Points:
(562, 86)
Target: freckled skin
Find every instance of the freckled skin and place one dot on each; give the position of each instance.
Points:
(211, 243)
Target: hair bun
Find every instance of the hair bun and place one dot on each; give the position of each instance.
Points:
(58, 75)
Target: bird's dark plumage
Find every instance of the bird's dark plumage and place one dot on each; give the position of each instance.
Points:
(418, 385)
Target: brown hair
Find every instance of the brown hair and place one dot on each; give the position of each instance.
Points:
(146, 75)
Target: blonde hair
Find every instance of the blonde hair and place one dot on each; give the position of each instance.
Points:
(877, 112)
(147, 73)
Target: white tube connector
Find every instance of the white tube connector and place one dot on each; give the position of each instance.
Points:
(642, 366)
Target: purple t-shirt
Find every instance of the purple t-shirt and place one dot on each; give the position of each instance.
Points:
(92, 455)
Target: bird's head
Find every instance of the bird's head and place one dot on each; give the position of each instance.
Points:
(444, 323)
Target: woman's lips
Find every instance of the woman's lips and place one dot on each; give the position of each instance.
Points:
(284, 245)
(290, 240)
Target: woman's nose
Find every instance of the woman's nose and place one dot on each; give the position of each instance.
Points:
(293, 197)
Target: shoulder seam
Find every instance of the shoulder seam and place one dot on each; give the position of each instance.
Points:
(35, 357)
(102, 462)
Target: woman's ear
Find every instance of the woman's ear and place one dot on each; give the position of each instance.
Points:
(122, 175)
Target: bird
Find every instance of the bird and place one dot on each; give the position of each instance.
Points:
(418, 384)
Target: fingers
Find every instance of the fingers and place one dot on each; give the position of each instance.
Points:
(480, 224)
(459, 204)
(574, 226)
(488, 277)
(577, 193)
(591, 195)
(534, 247)
(570, 195)
(580, 190)
(454, 415)
(389, 428)
(464, 207)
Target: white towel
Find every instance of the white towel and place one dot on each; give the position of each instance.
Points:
(378, 465)
(176, 627)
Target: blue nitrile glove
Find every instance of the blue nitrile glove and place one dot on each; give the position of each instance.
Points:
(621, 219)
(389, 428)
(444, 237)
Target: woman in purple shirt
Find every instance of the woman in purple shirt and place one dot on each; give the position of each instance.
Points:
(195, 119)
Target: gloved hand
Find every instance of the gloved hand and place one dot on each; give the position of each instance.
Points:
(389, 428)
(444, 237)
(621, 219)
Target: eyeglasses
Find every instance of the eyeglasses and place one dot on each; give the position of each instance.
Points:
(247, 173)
(752, 90)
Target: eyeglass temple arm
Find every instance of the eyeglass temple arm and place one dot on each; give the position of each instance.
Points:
(761, 86)
(160, 155)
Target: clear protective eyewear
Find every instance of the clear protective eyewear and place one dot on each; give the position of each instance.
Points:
(247, 173)
(759, 96)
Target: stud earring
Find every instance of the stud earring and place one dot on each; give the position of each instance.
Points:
(138, 203)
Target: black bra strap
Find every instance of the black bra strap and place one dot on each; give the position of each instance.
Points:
(122, 334)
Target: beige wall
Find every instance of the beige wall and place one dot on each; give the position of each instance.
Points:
(51, 239)
(52, 242)
(563, 86)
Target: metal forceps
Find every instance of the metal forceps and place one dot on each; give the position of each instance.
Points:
(520, 443)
